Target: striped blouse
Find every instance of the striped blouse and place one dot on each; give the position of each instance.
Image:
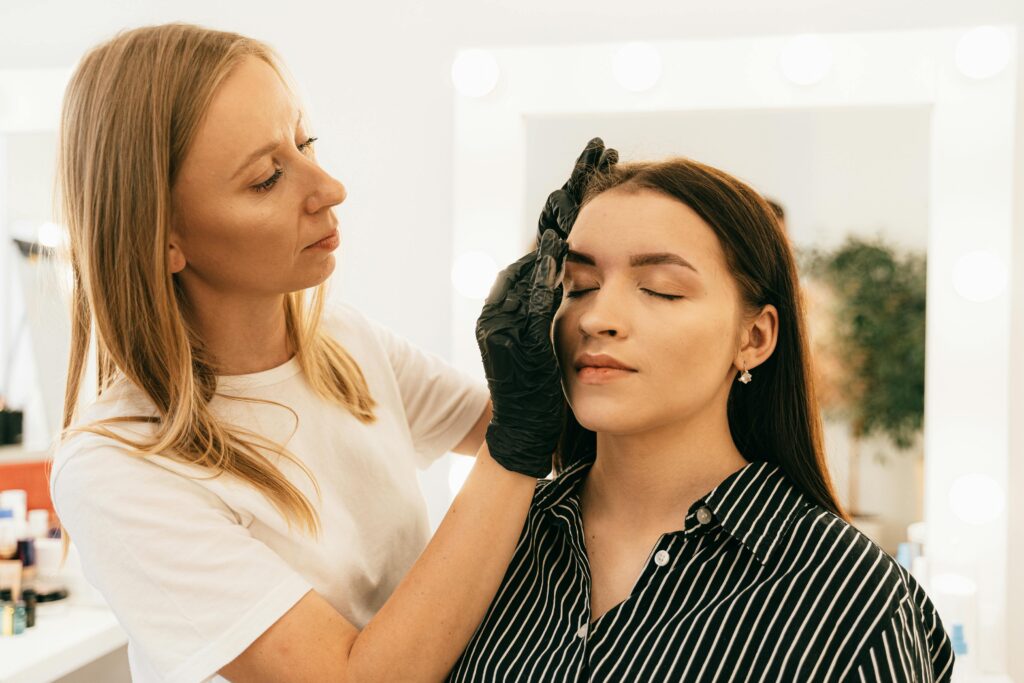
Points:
(761, 584)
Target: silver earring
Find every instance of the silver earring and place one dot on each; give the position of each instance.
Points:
(745, 377)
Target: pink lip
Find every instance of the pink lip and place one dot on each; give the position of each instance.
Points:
(329, 242)
(600, 369)
(592, 375)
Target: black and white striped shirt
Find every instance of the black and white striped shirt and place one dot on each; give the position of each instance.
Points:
(760, 585)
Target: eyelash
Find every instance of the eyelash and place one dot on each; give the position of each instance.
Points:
(272, 180)
(580, 292)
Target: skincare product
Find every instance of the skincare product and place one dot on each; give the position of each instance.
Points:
(29, 597)
(16, 500)
(8, 534)
(6, 613)
(38, 523)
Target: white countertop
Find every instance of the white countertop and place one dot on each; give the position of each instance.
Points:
(65, 638)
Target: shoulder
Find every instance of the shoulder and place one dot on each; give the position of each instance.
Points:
(836, 553)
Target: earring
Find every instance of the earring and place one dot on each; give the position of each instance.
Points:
(745, 377)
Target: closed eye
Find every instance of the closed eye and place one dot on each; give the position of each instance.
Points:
(669, 297)
(579, 292)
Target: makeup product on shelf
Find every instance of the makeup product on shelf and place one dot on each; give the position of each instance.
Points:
(38, 523)
(16, 500)
(6, 613)
(29, 597)
(8, 534)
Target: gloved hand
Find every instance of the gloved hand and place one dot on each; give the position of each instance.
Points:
(513, 332)
(563, 205)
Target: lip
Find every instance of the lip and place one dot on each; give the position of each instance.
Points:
(599, 361)
(330, 241)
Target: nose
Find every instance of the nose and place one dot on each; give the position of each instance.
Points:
(327, 192)
(603, 316)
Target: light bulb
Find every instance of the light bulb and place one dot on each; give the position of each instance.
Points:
(980, 276)
(806, 60)
(982, 52)
(473, 274)
(475, 72)
(637, 66)
(976, 499)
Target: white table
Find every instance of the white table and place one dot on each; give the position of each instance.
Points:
(64, 639)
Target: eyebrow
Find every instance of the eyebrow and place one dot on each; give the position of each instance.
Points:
(663, 258)
(261, 152)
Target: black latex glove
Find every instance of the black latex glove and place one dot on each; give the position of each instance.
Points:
(513, 333)
(560, 210)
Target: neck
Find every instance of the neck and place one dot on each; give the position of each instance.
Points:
(651, 479)
(242, 334)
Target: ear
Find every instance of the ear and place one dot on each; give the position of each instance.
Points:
(758, 339)
(176, 260)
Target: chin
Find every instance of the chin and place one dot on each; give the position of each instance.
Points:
(610, 416)
(320, 274)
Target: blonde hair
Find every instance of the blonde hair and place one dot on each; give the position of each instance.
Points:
(130, 112)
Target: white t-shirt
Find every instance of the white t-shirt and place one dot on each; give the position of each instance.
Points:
(196, 568)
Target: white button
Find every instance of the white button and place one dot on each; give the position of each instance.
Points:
(582, 633)
(661, 558)
(703, 515)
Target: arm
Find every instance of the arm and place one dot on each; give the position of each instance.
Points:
(474, 438)
(423, 627)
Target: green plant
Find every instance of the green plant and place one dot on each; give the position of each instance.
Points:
(879, 318)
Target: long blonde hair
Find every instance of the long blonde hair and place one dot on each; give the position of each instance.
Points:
(131, 109)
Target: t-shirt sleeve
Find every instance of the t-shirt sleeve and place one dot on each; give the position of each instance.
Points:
(188, 582)
(441, 403)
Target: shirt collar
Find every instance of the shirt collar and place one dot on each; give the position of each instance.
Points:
(755, 505)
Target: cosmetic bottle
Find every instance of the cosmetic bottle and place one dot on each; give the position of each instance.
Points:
(29, 597)
(27, 555)
(6, 613)
(8, 534)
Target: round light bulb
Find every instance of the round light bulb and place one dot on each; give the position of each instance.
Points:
(980, 276)
(473, 274)
(637, 66)
(954, 584)
(977, 499)
(805, 60)
(475, 72)
(982, 52)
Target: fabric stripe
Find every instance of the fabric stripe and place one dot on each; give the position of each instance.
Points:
(762, 585)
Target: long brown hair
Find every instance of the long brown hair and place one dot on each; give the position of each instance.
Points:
(130, 112)
(776, 418)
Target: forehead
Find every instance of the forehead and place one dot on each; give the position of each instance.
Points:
(249, 108)
(626, 221)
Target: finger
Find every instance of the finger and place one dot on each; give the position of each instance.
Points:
(506, 280)
(545, 276)
(584, 167)
(558, 215)
(609, 158)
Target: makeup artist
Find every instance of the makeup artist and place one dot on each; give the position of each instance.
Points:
(242, 490)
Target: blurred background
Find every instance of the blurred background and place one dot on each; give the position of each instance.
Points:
(889, 134)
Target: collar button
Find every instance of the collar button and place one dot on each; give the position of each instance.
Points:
(704, 515)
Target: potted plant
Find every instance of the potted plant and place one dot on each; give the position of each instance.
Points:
(866, 311)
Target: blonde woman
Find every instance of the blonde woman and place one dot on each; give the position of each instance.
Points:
(242, 489)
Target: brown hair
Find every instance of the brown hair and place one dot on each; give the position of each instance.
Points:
(130, 112)
(774, 419)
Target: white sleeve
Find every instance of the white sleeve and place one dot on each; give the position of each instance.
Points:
(187, 581)
(441, 403)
